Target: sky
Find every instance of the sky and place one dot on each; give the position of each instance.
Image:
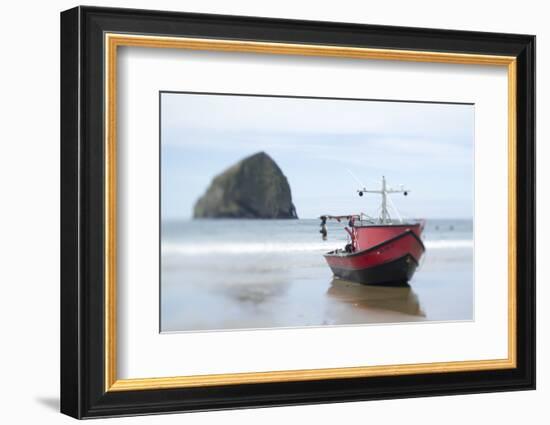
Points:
(327, 149)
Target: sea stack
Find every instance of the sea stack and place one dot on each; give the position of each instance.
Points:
(254, 187)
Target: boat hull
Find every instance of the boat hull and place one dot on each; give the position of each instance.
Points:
(395, 272)
(391, 262)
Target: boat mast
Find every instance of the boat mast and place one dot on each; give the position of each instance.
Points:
(385, 213)
(384, 191)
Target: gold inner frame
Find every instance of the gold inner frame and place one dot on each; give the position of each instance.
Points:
(113, 41)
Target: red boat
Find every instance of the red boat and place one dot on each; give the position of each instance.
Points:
(381, 251)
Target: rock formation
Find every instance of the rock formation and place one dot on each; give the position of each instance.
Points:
(254, 187)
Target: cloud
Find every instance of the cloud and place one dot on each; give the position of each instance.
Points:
(264, 115)
(427, 146)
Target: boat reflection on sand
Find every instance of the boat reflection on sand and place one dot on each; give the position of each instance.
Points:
(400, 299)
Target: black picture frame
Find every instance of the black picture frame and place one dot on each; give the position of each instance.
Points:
(83, 392)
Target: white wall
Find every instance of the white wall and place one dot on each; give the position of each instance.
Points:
(29, 224)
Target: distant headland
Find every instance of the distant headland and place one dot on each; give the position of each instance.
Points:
(254, 187)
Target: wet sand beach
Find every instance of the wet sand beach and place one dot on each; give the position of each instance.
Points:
(220, 275)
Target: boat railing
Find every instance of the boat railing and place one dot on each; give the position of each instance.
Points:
(363, 219)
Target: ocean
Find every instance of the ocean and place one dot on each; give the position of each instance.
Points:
(255, 274)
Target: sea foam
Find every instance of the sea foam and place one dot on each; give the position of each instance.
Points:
(235, 248)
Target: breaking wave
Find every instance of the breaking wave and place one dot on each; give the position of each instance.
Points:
(246, 247)
(449, 244)
(234, 248)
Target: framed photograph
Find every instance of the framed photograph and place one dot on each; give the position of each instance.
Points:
(261, 212)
